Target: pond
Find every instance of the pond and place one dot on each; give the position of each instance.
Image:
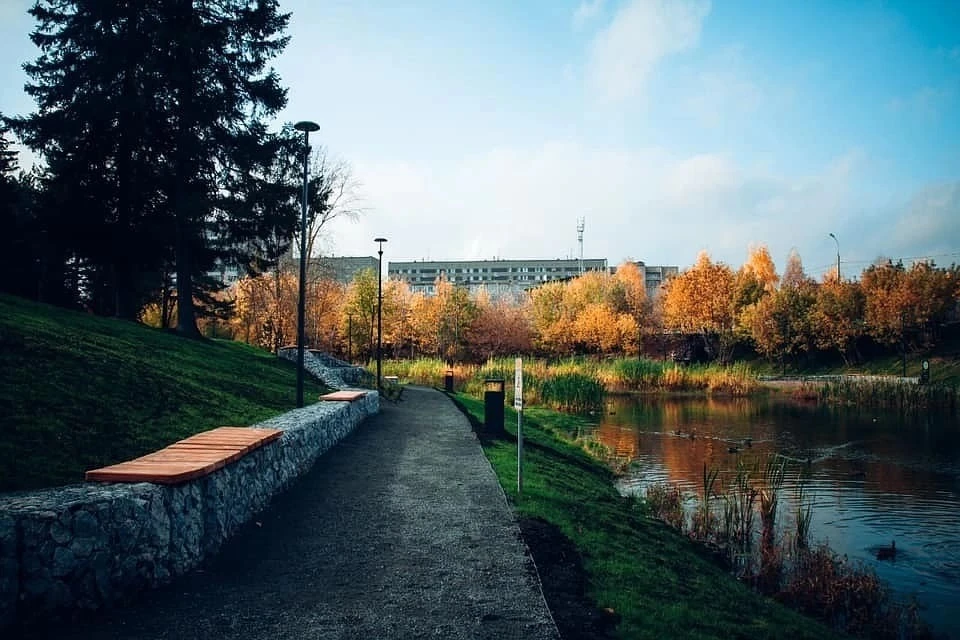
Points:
(876, 476)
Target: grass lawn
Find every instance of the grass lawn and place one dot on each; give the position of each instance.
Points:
(944, 365)
(79, 392)
(661, 584)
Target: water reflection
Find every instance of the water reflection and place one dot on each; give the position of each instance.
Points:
(876, 476)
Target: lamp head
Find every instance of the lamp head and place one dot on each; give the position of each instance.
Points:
(379, 239)
(833, 236)
(307, 126)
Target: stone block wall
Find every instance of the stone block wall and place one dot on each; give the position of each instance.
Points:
(95, 544)
(333, 372)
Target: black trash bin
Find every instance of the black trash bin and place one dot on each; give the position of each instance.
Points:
(448, 381)
(493, 396)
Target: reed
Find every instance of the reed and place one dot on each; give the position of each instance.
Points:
(771, 483)
(744, 497)
(848, 596)
(622, 374)
(704, 521)
(804, 516)
(887, 394)
(572, 392)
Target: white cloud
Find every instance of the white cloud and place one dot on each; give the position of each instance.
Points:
(642, 32)
(586, 11)
(926, 225)
(648, 204)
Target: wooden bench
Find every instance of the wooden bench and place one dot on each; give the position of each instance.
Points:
(343, 396)
(188, 459)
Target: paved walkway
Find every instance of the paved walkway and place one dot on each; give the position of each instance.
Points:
(401, 531)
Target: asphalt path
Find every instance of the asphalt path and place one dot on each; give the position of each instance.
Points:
(400, 531)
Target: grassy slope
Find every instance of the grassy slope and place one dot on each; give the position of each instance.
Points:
(80, 392)
(660, 583)
(944, 365)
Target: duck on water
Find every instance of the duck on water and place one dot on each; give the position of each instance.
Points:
(887, 553)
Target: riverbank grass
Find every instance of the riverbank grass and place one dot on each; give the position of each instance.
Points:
(81, 392)
(659, 583)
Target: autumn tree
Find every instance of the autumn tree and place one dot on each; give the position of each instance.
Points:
(397, 316)
(456, 313)
(629, 280)
(265, 310)
(793, 273)
(760, 265)
(838, 317)
(502, 327)
(323, 311)
(698, 301)
(552, 326)
(887, 301)
(933, 296)
(360, 312)
(780, 324)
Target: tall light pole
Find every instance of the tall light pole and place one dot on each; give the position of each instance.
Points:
(379, 242)
(350, 338)
(306, 126)
(838, 256)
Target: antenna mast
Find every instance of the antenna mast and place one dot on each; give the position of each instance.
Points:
(580, 222)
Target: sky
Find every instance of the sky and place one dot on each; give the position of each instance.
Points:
(478, 130)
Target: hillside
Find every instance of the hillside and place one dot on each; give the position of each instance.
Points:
(79, 391)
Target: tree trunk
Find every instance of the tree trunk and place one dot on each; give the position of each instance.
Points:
(186, 318)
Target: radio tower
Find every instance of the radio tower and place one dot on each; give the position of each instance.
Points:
(580, 222)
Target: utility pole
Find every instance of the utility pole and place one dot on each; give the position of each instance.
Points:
(580, 224)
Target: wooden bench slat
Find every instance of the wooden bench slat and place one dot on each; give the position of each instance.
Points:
(343, 396)
(189, 458)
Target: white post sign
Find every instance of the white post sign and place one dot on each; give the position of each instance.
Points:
(518, 385)
(518, 405)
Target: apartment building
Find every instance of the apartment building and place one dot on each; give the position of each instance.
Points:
(496, 276)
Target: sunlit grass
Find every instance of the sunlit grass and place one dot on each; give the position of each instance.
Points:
(614, 375)
(80, 391)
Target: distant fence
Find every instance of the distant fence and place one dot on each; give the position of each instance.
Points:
(840, 378)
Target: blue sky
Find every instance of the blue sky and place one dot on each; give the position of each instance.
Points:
(486, 129)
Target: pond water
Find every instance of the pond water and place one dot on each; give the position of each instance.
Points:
(876, 477)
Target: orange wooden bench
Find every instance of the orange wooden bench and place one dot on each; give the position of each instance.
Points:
(343, 396)
(188, 459)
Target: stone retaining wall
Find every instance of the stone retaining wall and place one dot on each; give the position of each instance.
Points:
(94, 544)
(334, 373)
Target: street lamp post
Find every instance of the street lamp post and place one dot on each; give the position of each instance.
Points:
(838, 256)
(350, 338)
(379, 242)
(306, 126)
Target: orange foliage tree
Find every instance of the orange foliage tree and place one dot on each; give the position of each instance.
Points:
(838, 317)
(502, 327)
(699, 300)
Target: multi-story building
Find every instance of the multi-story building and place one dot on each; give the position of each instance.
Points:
(654, 277)
(496, 276)
(343, 269)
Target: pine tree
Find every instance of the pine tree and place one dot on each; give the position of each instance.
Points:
(99, 127)
(151, 118)
(221, 91)
(18, 242)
